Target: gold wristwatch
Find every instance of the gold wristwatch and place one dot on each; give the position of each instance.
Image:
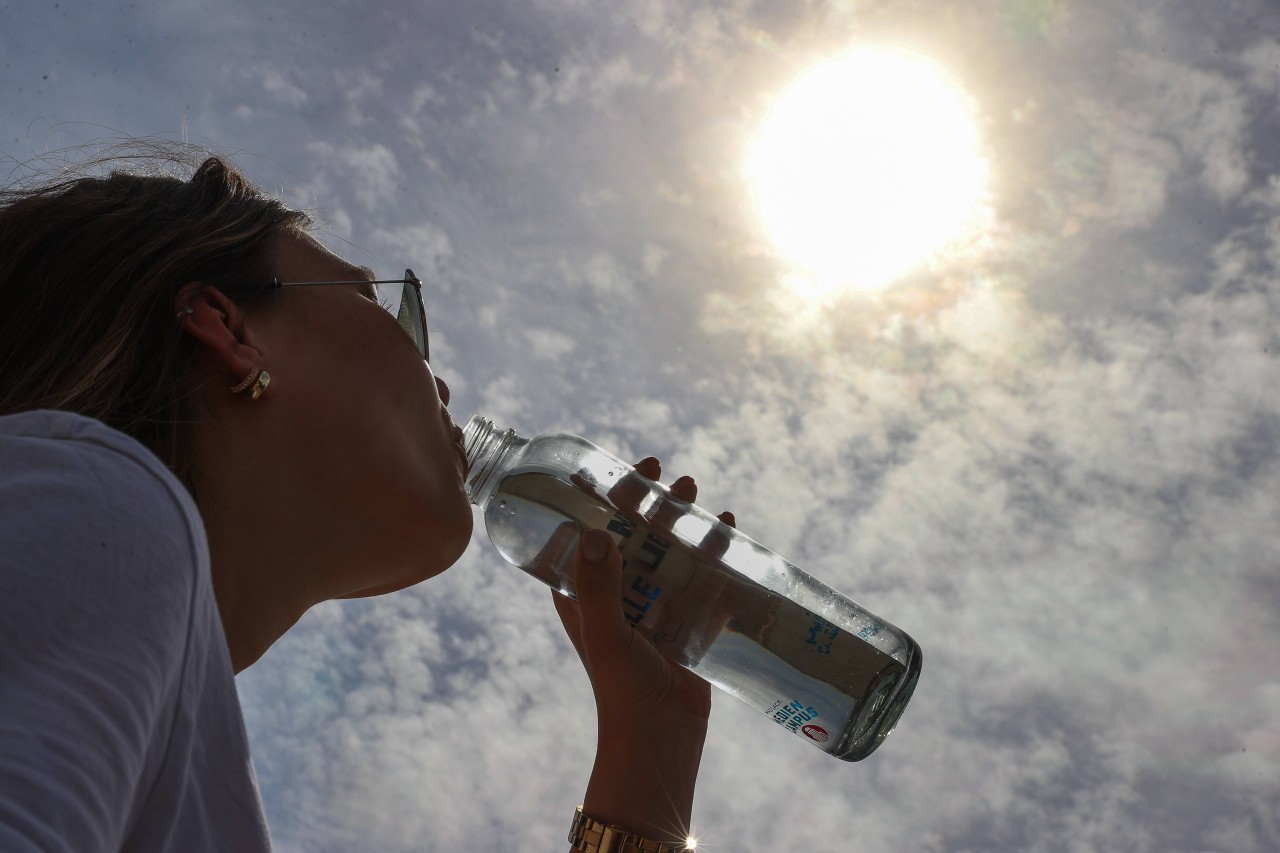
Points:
(591, 836)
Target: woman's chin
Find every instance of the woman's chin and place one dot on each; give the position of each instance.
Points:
(444, 551)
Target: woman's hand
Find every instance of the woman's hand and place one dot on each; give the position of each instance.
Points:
(651, 713)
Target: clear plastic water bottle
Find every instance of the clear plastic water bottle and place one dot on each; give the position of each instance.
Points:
(710, 598)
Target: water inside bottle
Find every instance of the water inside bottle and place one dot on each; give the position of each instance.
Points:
(810, 671)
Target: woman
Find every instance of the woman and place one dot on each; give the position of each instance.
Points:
(190, 458)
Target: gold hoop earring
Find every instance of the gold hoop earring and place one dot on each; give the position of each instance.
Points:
(258, 378)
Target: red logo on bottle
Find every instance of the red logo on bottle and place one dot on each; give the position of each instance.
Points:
(816, 733)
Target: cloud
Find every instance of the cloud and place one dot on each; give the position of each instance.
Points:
(577, 78)
(1207, 114)
(549, 345)
(359, 88)
(370, 173)
(1262, 61)
(424, 245)
(1065, 508)
(280, 90)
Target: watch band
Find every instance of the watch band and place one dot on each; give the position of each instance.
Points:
(589, 835)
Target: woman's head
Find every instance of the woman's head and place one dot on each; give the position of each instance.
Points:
(122, 298)
(88, 270)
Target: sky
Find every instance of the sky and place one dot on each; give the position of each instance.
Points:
(1051, 455)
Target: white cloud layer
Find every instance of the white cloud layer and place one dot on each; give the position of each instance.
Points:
(1055, 462)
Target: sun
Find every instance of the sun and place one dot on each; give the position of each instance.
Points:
(866, 168)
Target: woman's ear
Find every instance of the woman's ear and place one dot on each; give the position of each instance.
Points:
(217, 323)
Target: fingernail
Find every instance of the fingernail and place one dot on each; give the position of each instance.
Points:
(595, 544)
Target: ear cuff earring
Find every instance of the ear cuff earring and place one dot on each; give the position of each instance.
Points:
(255, 383)
(257, 380)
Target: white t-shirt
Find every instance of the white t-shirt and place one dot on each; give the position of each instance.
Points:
(120, 728)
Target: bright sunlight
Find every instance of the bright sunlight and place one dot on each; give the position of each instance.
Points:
(868, 167)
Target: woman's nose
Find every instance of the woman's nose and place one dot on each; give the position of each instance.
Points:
(444, 390)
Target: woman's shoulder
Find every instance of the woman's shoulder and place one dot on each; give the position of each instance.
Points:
(112, 661)
(51, 436)
(50, 442)
(71, 486)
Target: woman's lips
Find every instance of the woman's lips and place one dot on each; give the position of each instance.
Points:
(459, 442)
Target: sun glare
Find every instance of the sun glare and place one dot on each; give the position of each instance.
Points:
(869, 166)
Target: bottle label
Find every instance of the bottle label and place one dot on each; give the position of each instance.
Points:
(640, 562)
(799, 718)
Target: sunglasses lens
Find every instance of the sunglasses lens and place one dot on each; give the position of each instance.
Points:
(402, 301)
(411, 319)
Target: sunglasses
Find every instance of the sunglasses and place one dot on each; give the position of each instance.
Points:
(402, 297)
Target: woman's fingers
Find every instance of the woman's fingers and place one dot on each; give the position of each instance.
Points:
(685, 489)
(567, 610)
(649, 467)
(550, 556)
(599, 584)
(594, 620)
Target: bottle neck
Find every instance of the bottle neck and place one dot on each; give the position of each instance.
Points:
(487, 448)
